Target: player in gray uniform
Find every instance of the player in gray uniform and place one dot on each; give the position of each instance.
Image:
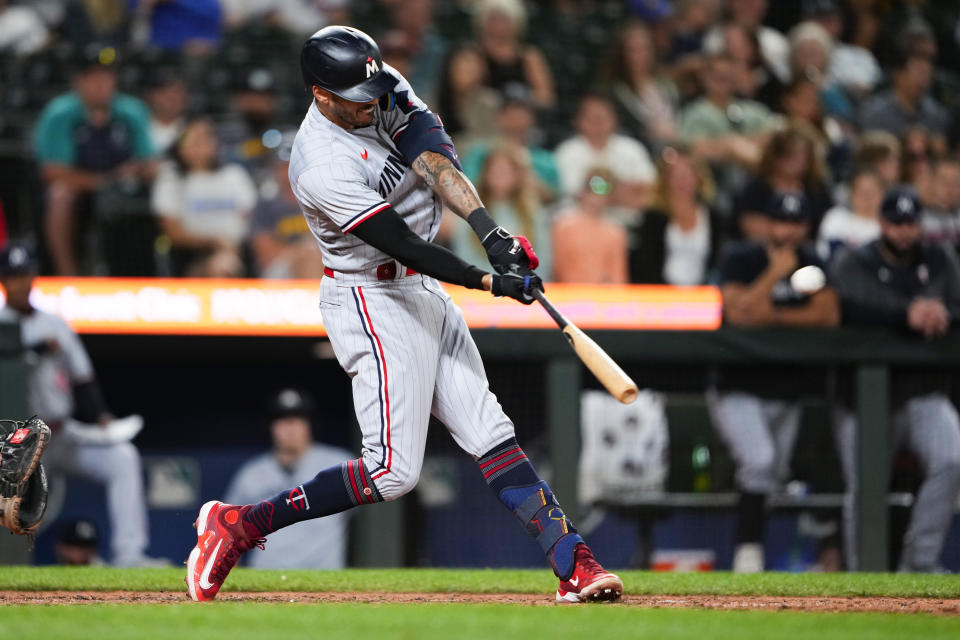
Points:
(756, 409)
(62, 384)
(371, 167)
(320, 543)
(899, 282)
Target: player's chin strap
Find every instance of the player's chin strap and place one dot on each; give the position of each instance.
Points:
(509, 473)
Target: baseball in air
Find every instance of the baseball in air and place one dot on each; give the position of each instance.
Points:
(808, 280)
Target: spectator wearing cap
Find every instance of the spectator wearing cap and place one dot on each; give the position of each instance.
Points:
(251, 133)
(63, 389)
(899, 282)
(279, 236)
(756, 410)
(166, 96)
(77, 543)
(203, 206)
(84, 140)
(294, 458)
(597, 144)
(908, 102)
(589, 245)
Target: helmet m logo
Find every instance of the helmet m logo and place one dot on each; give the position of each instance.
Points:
(372, 66)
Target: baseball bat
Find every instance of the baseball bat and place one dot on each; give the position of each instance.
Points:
(608, 372)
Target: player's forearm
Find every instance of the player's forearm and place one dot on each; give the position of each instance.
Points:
(388, 232)
(448, 182)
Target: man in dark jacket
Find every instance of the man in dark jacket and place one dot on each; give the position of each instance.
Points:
(756, 409)
(899, 282)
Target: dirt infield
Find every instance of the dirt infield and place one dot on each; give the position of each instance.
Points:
(934, 606)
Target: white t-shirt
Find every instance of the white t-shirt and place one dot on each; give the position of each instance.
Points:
(623, 156)
(212, 204)
(841, 227)
(685, 262)
(164, 135)
(854, 68)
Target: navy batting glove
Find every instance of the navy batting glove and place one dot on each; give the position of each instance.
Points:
(518, 287)
(505, 252)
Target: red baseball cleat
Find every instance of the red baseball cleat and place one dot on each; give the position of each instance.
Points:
(221, 540)
(590, 582)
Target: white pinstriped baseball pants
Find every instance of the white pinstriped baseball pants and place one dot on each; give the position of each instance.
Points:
(408, 352)
(929, 426)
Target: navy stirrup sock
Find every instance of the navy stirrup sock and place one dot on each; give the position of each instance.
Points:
(331, 491)
(514, 480)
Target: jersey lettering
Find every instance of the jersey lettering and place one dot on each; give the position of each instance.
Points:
(393, 170)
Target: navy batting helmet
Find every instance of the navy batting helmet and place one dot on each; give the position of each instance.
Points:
(346, 62)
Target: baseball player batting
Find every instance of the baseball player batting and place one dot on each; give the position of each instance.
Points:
(371, 167)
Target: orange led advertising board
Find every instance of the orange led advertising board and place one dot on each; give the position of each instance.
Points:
(290, 307)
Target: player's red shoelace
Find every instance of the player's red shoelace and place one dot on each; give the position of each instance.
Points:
(590, 582)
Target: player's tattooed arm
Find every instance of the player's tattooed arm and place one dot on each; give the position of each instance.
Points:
(448, 182)
(506, 252)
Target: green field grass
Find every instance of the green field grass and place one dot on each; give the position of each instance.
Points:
(258, 621)
(440, 621)
(487, 581)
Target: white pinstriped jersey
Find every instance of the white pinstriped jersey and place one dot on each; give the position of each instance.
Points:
(342, 178)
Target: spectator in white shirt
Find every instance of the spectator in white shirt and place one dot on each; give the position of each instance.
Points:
(597, 145)
(857, 224)
(204, 208)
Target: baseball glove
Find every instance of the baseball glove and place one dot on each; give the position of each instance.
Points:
(23, 482)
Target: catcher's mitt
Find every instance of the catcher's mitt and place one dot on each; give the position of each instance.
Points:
(23, 483)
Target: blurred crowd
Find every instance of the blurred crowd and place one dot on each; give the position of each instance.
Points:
(630, 140)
